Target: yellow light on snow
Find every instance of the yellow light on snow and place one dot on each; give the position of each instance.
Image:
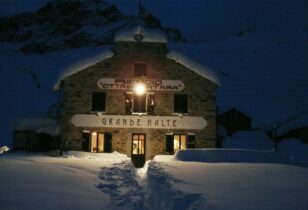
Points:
(139, 89)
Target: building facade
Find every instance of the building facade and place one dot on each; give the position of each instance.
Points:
(234, 120)
(139, 100)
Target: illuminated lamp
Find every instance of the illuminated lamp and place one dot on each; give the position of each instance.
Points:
(139, 89)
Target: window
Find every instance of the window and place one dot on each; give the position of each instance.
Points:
(191, 141)
(140, 70)
(180, 103)
(99, 101)
(178, 142)
(139, 104)
(100, 142)
(138, 144)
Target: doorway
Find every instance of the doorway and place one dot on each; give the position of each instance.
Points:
(138, 149)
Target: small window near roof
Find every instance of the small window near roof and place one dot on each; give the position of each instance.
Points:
(140, 70)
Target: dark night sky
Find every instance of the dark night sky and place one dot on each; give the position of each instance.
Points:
(267, 66)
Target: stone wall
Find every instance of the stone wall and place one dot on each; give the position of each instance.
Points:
(78, 88)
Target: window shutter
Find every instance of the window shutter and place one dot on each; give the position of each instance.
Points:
(129, 104)
(180, 103)
(191, 143)
(108, 142)
(85, 142)
(169, 144)
(151, 104)
(99, 101)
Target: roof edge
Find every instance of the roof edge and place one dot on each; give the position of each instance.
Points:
(194, 66)
(77, 67)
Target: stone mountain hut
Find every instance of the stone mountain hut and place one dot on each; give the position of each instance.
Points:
(138, 99)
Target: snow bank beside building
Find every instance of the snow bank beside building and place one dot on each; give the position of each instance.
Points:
(255, 140)
(232, 186)
(4, 149)
(31, 181)
(39, 125)
(294, 149)
(106, 157)
(229, 156)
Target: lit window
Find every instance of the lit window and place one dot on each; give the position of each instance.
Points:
(178, 142)
(100, 142)
(139, 104)
(138, 144)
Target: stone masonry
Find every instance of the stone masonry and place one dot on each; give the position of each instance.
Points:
(77, 91)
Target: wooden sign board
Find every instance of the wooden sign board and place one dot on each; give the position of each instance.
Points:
(151, 84)
(132, 121)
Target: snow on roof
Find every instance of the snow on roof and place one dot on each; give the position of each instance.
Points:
(299, 122)
(256, 140)
(75, 68)
(40, 125)
(195, 67)
(148, 35)
(230, 107)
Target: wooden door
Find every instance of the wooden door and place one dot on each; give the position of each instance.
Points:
(108, 142)
(138, 149)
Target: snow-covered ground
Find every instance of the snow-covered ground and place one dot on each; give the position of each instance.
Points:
(36, 181)
(260, 47)
(210, 179)
(232, 186)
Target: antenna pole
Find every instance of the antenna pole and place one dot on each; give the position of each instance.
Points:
(139, 9)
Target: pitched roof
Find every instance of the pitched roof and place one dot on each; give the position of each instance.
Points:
(194, 66)
(75, 68)
(147, 35)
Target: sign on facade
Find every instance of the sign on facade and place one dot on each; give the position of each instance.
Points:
(151, 84)
(130, 121)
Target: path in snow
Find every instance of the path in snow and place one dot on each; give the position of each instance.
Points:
(138, 189)
(161, 195)
(119, 181)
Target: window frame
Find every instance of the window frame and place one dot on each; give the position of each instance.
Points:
(96, 141)
(180, 141)
(170, 147)
(140, 71)
(139, 140)
(147, 108)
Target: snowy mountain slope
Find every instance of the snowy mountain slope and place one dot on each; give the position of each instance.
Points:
(207, 20)
(72, 24)
(21, 95)
(266, 79)
(263, 61)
